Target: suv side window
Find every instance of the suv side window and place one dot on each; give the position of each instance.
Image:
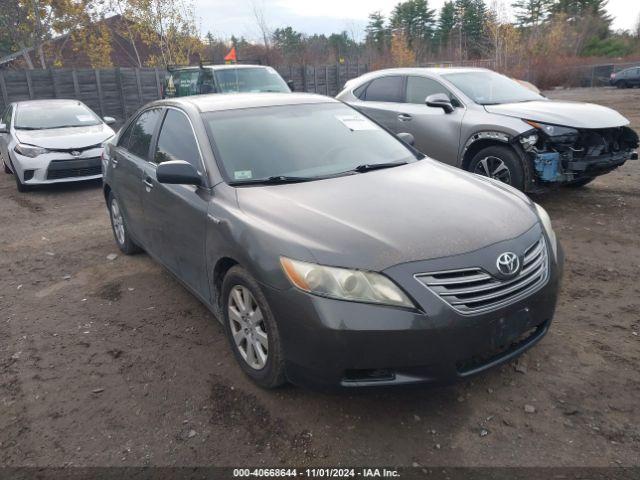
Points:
(142, 131)
(419, 88)
(384, 89)
(177, 141)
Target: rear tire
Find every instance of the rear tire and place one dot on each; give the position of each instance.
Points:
(250, 326)
(580, 182)
(500, 163)
(119, 228)
(621, 84)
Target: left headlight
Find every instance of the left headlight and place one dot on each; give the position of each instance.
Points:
(29, 150)
(546, 223)
(344, 283)
(553, 130)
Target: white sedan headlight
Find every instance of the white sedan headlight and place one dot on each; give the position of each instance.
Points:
(344, 283)
(29, 150)
(546, 223)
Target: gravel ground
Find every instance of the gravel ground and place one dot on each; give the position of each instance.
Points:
(111, 362)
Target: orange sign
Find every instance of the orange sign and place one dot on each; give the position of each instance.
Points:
(231, 56)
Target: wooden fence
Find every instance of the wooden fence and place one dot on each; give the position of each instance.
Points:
(118, 92)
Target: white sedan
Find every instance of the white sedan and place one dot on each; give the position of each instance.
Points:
(51, 141)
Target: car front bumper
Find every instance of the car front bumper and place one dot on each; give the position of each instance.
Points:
(57, 167)
(332, 343)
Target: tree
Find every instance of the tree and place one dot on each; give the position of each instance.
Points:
(376, 31)
(290, 43)
(531, 13)
(414, 21)
(446, 24)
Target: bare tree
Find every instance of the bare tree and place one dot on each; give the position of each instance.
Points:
(261, 23)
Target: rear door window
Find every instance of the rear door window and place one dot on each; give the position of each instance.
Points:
(385, 89)
(142, 132)
(176, 140)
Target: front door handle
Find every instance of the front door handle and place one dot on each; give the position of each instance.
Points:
(148, 183)
(404, 117)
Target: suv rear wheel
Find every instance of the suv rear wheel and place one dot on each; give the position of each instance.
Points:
(621, 84)
(500, 163)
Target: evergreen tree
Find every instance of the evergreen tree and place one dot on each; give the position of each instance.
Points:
(531, 13)
(377, 33)
(446, 22)
(415, 21)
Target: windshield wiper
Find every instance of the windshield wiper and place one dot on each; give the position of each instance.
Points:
(29, 128)
(275, 180)
(367, 167)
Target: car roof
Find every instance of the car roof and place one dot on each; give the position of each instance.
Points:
(217, 67)
(234, 101)
(423, 70)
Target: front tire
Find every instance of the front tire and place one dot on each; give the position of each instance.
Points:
(119, 227)
(621, 84)
(252, 330)
(7, 170)
(500, 163)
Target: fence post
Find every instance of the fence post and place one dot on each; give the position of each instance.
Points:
(53, 82)
(76, 87)
(158, 85)
(304, 77)
(99, 87)
(29, 85)
(3, 87)
(315, 80)
(140, 101)
(122, 97)
(326, 80)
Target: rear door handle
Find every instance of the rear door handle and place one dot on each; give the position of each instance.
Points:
(404, 117)
(148, 183)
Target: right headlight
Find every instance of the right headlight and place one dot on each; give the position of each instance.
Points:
(344, 283)
(546, 223)
(30, 151)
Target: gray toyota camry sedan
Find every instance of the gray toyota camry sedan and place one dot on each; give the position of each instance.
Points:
(332, 251)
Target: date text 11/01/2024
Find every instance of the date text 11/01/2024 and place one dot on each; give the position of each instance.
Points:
(316, 472)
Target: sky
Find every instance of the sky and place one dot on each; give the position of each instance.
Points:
(224, 18)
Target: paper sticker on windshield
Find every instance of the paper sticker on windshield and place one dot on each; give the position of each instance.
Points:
(85, 118)
(356, 122)
(243, 175)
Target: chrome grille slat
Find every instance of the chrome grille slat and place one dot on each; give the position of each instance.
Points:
(473, 290)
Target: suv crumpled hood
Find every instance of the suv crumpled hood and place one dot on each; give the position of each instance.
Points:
(64, 138)
(569, 114)
(383, 218)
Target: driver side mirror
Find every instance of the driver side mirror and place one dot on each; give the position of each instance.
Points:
(109, 120)
(3, 128)
(178, 172)
(440, 100)
(291, 85)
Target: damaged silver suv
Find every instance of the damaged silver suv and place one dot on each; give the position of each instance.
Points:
(489, 124)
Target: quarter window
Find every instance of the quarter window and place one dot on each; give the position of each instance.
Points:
(384, 89)
(142, 132)
(176, 140)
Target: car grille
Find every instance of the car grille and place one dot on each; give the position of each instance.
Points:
(81, 167)
(473, 290)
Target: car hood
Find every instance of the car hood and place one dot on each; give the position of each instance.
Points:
(570, 114)
(382, 218)
(64, 138)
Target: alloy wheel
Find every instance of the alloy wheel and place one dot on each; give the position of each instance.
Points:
(248, 327)
(117, 221)
(495, 168)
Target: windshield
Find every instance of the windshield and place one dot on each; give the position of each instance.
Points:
(42, 116)
(250, 80)
(304, 141)
(490, 88)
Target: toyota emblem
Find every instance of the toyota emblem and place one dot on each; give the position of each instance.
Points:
(75, 153)
(508, 263)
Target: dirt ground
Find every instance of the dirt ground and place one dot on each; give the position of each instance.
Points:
(111, 362)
